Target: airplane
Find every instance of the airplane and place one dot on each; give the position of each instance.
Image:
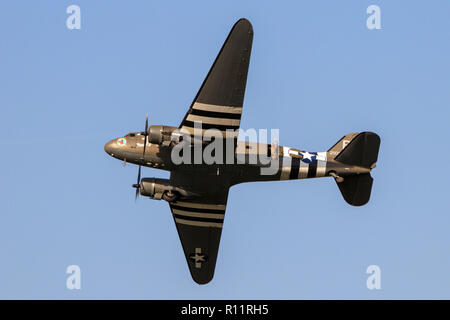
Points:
(197, 192)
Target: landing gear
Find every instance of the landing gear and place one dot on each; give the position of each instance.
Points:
(170, 196)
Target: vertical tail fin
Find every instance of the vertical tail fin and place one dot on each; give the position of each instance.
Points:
(341, 144)
(361, 151)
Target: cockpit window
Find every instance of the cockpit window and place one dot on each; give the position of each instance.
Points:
(130, 135)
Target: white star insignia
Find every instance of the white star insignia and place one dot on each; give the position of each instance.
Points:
(307, 155)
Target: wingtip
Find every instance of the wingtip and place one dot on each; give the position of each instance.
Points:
(202, 282)
(201, 279)
(244, 22)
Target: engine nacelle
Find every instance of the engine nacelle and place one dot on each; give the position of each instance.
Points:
(161, 188)
(161, 135)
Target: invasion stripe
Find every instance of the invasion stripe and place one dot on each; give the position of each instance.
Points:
(201, 139)
(198, 219)
(198, 215)
(201, 210)
(198, 223)
(216, 108)
(321, 168)
(214, 114)
(304, 168)
(232, 134)
(286, 169)
(295, 167)
(188, 123)
(200, 205)
(312, 169)
(211, 120)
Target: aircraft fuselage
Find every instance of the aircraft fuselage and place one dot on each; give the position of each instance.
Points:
(248, 161)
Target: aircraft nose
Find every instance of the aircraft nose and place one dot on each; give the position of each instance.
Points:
(109, 147)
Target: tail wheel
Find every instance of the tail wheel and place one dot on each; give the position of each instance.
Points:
(170, 196)
(338, 179)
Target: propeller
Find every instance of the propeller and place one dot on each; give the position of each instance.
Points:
(137, 185)
(145, 135)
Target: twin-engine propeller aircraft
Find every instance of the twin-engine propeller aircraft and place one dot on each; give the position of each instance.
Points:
(197, 193)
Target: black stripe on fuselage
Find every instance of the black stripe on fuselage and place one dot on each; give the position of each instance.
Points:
(197, 218)
(312, 169)
(199, 210)
(213, 114)
(295, 167)
(206, 126)
(202, 139)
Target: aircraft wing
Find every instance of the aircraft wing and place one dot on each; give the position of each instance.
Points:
(218, 103)
(199, 224)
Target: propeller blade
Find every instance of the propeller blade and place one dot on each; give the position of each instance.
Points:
(138, 184)
(145, 135)
(146, 124)
(137, 194)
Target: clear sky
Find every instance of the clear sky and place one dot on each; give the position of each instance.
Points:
(316, 73)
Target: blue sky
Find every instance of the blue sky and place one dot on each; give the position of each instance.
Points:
(316, 73)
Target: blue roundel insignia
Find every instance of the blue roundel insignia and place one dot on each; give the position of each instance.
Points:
(122, 141)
